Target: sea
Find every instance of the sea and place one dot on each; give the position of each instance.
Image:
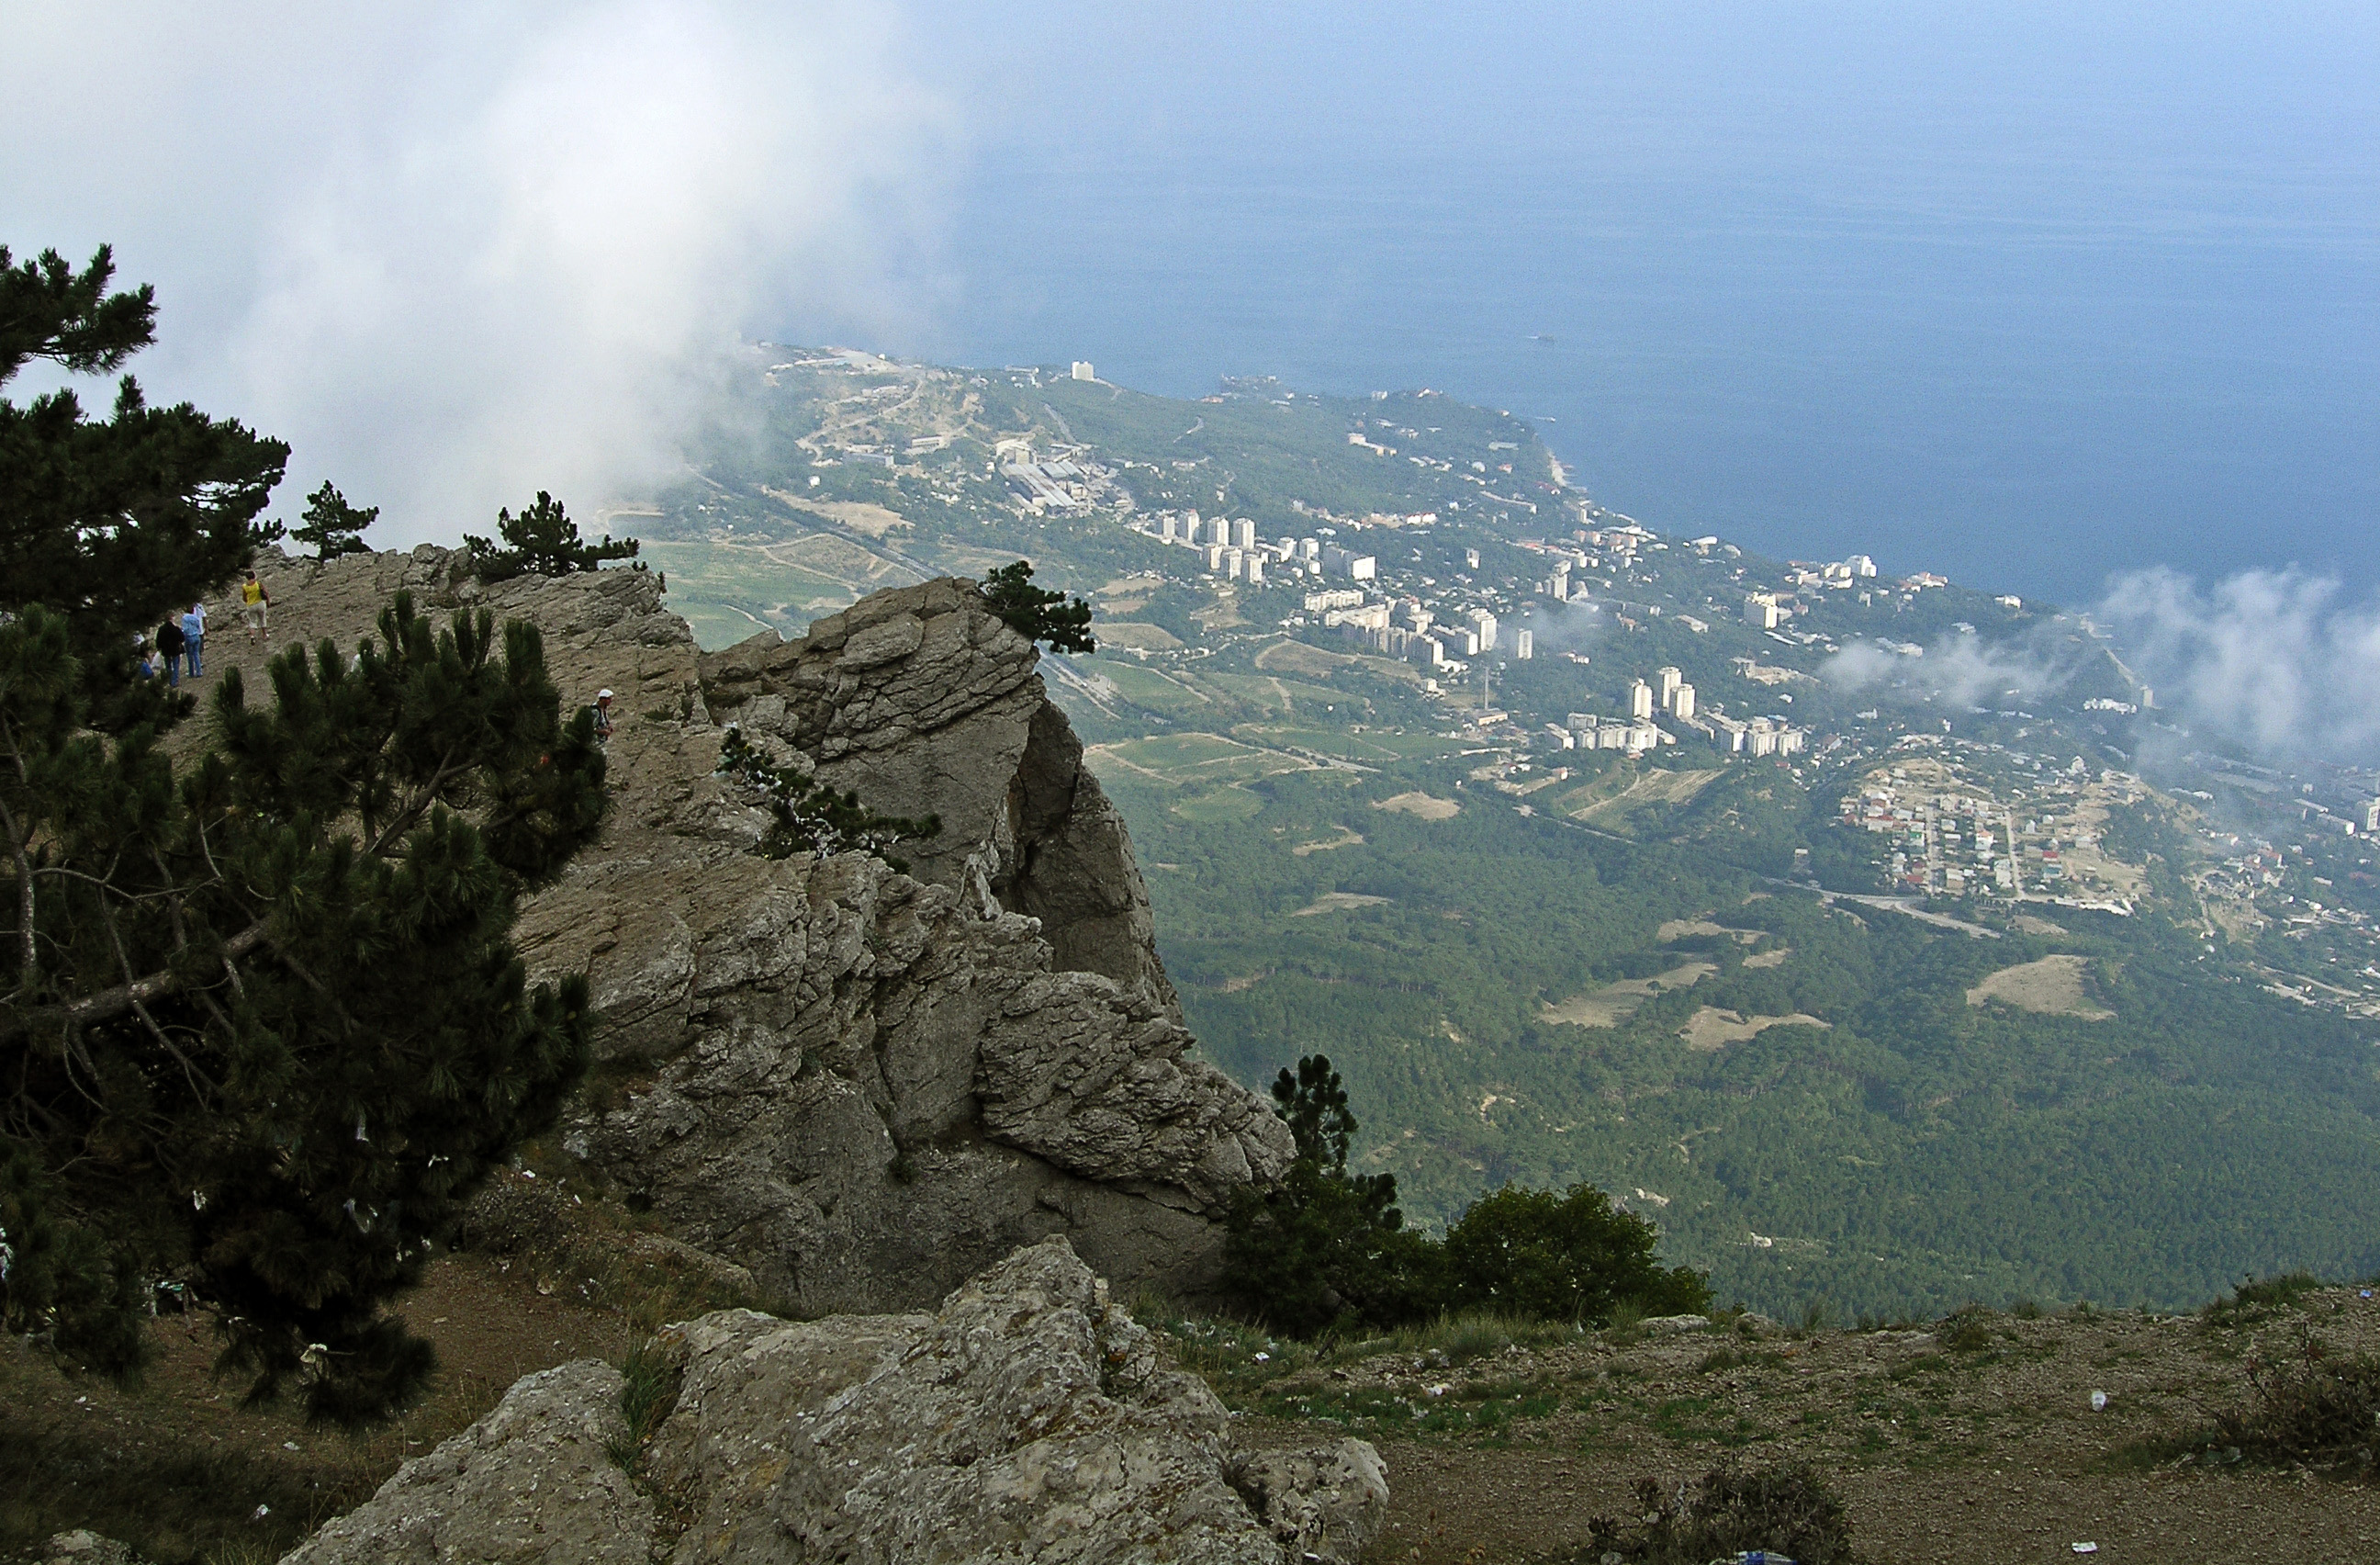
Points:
(2028, 312)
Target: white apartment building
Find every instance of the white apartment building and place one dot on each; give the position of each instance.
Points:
(1347, 562)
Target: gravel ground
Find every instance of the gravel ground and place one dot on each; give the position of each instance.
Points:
(1983, 1451)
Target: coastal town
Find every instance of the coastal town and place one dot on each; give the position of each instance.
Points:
(1415, 573)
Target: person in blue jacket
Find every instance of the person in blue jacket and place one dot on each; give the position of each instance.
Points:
(194, 631)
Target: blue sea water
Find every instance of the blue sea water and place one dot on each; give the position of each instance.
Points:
(2027, 306)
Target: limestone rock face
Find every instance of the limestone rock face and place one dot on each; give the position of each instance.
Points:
(531, 1483)
(861, 1086)
(1030, 1419)
(924, 702)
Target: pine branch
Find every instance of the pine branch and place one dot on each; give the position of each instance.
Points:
(109, 1004)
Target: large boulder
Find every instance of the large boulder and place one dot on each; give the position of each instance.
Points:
(1029, 1420)
(534, 1483)
(862, 1086)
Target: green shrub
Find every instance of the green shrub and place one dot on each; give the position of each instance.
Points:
(2258, 1300)
(2315, 1412)
(1572, 1256)
(541, 541)
(1968, 1331)
(1325, 1250)
(1788, 1510)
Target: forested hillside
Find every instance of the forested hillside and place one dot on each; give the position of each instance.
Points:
(1902, 1149)
(2132, 1071)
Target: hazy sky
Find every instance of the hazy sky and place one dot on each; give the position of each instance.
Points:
(456, 253)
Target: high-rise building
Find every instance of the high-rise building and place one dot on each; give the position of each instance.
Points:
(1235, 560)
(1482, 625)
(1218, 531)
(1254, 567)
(1355, 566)
(1681, 704)
(1309, 548)
(1244, 534)
(1760, 611)
(1640, 700)
(1082, 369)
(1524, 645)
(1167, 527)
(1665, 685)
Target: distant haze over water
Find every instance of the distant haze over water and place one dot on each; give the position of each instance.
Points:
(2028, 304)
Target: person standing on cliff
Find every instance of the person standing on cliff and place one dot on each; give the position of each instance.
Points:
(604, 715)
(256, 607)
(169, 652)
(194, 631)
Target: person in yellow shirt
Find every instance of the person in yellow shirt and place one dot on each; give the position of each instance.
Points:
(256, 607)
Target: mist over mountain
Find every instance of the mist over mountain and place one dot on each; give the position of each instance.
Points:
(2062, 303)
(461, 255)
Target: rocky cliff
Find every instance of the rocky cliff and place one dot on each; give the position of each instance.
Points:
(862, 1086)
(1030, 1419)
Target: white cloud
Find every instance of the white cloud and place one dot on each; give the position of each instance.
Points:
(466, 256)
(1963, 670)
(2282, 661)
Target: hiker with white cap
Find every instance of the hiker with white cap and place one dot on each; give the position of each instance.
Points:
(603, 714)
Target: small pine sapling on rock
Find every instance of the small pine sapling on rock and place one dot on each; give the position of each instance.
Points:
(541, 541)
(807, 816)
(1036, 613)
(331, 527)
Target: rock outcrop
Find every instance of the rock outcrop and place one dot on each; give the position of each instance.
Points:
(1030, 1419)
(534, 1483)
(925, 703)
(863, 1087)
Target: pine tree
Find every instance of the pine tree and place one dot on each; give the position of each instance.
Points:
(1037, 613)
(110, 523)
(1324, 1246)
(807, 816)
(541, 541)
(263, 1028)
(331, 527)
